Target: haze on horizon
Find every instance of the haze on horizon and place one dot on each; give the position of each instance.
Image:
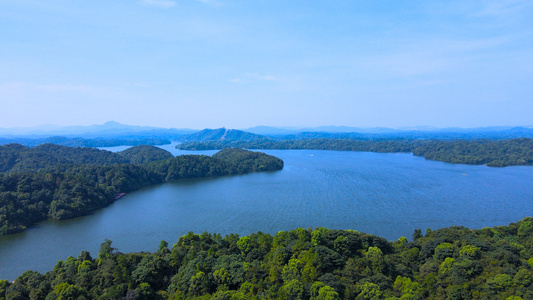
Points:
(239, 64)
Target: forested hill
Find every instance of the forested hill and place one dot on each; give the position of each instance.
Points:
(448, 263)
(82, 142)
(18, 158)
(144, 154)
(226, 162)
(59, 182)
(223, 134)
(496, 153)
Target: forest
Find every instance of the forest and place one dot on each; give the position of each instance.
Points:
(494, 153)
(58, 182)
(319, 263)
(83, 142)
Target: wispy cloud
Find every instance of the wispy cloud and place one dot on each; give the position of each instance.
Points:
(261, 77)
(160, 3)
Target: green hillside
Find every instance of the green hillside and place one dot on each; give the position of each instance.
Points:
(320, 263)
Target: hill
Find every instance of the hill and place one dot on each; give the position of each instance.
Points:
(81, 142)
(144, 154)
(109, 130)
(343, 132)
(320, 263)
(495, 153)
(18, 158)
(57, 182)
(223, 134)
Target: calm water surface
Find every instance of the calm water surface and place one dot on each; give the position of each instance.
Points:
(384, 194)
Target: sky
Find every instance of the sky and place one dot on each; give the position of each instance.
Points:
(213, 63)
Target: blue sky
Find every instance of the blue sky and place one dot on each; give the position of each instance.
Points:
(213, 63)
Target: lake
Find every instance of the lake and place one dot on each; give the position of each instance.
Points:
(384, 194)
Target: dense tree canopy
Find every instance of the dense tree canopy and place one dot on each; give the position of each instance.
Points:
(493, 153)
(448, 263)
(58, 182)
(16, 158)
(82, 142)
(223, 134)
(242, 161)
(496, 153)
(145, 154)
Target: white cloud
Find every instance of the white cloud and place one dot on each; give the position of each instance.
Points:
(160, 3)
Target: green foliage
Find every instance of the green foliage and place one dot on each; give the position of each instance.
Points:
(82, 142)
(105, 249)
(443, 251)
(17, 158)
(223, 134)
(417, 234)
(27, 198)
(525, 229)
(57, 182)
(241, 161)
(139, 155)
(494, 153)
(225, 162)
(4, 284)
(245, 245)
(66, 291)
(448, 263)
(292, 290)
(326, 293)
(471, 251)
(406, 287)
(369, 291)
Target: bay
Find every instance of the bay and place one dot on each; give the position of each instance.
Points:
(384, 194)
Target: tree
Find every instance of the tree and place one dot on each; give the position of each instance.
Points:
(293, 290)
(417, 234)
(369, 291)
(105, 249)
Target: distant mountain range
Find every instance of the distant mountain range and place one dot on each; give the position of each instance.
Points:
(107, 130)
(276, 131)
(267, 130)
(113, 133)
(226, 136)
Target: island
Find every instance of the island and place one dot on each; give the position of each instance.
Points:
(469, 149)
